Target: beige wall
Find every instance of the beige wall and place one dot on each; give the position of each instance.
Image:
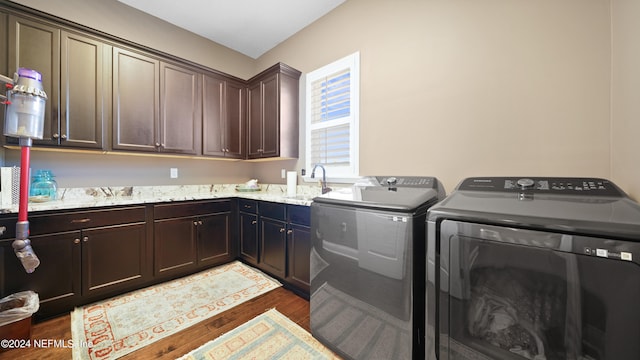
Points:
(625, 90)
(469, 88)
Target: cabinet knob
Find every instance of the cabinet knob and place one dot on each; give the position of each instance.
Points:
(157, 144)
(254, 222)
(281, 230)
(199, 222)
(289, 231)
(2, 230)
(63, 137)
(55, 136)
(85, 239)
(195, 223)
(76, 241)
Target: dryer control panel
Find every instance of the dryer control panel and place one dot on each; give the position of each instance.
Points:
(548, 185)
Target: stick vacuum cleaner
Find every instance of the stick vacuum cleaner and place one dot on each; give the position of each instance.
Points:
(24, 119)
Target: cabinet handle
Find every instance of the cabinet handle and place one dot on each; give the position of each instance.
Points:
(80, 221)
(2, 230)
(253, 222)
(281, 230)
(76, 241)
(85, 239)
(289, 231)
(247, 206)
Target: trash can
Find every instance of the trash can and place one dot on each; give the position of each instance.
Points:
(15, 315)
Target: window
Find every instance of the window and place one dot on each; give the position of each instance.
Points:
(332, 104)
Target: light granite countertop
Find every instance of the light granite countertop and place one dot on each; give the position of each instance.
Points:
(77, 198)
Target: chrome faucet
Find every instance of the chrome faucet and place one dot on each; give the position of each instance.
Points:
(323, 183)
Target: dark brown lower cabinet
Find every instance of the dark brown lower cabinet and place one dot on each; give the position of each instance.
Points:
(192, 235)
(276, 238)
(299, 247)
(84, 256)
(214, 239)
(92, 254)
(175, 245)
(57, 279)
(114, 257)
(248, 237)
(298, 251)
(273, 246)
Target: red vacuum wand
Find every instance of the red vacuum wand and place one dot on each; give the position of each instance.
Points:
(24, 119)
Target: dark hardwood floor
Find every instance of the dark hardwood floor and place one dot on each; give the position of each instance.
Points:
(174, 346)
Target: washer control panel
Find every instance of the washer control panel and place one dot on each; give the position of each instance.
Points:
(560, 185)
(405, 181)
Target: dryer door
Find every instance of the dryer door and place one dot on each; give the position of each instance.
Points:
(508, 293)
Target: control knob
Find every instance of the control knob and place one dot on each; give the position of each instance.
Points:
(392, 181)
(525, 183)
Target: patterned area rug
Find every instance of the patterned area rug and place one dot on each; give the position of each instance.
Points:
(122, 324)
(268, 336)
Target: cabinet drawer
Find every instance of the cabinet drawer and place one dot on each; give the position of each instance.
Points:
(191, 208)
(66, 221)
(273, 210)
(298, 214)
(8, 227)
(248, 206)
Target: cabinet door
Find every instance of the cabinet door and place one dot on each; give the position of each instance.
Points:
(136, 80)
(113, 258)
(175, 246)
(254, 96)
(298, 252)
(36, 46)
(56, 280)
(213, 116)
(270, 116)
(83, 93)
(249, 237)
(214, 239)
(4, 47)
(181, 115)
(273, 246)
(234, 119)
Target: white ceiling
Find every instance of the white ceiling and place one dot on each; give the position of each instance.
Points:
(251, 27)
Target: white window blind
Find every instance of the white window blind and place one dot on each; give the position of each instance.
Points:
(332, 117)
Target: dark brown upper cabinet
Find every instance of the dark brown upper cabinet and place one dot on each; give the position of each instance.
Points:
(223, 117)
(156, 105)
(73, 67)
(273, 113)
(111, 94)
(85, 89)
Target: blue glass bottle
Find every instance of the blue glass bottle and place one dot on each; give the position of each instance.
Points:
(43, 186)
